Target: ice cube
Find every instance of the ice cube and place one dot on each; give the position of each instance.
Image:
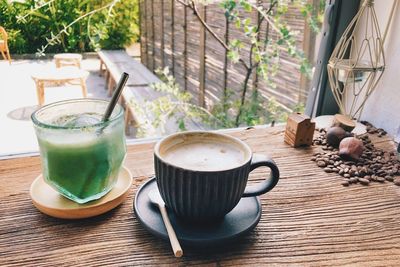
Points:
(78, 120)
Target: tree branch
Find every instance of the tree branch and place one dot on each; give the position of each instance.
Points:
(260, 21)
(267, 18)
(192, 5)
(182, 3)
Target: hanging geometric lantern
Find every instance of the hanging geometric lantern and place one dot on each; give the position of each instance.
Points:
(357, 62)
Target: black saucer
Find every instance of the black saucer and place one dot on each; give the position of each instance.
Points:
(243, 218)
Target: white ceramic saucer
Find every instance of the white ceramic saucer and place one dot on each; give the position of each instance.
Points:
(50, 202)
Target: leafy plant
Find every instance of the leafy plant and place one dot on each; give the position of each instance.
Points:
(176, 103)
(69, 25)
(263, 56)
(173, 103)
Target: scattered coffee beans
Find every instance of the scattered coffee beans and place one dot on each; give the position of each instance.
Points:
(373, 130)
(363, 181)
(374, 165)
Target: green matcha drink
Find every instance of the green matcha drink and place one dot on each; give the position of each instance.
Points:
(81, 155)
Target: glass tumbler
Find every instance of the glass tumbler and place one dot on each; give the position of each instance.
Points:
(81, 162)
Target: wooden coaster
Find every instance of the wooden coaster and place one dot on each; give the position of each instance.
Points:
(50, 202)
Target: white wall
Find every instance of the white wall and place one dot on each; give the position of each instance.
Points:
(383, 106)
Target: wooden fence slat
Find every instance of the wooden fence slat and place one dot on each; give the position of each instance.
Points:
(143, 33)
(202, 54)
(152, 35)
(255, 74)
(309, 49)
(162, 35)
(185, 48)
(225, 68)
(172, 7)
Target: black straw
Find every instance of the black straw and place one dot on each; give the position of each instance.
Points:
(116, 95)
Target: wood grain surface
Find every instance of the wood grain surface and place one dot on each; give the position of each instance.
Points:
(309, 219)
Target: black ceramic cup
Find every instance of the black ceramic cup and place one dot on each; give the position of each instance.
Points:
(203, 175)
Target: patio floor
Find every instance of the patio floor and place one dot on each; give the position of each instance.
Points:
(18, 100)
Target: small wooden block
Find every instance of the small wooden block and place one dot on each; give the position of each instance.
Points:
(299, 130)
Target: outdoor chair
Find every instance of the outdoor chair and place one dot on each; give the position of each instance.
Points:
(5, 52)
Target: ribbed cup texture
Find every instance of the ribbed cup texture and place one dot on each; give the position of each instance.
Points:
(200, 196)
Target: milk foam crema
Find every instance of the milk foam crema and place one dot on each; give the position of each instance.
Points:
(205, 155)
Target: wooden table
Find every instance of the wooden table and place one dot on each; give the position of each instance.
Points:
(58, 76)
(309, 219)
(67, 59)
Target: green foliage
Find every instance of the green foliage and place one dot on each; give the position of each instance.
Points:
(314, 16)
(264, 54)
(245, 108)
(69, 25)
(122, 28)
(248, 107)
(177, 103)
(174, 103)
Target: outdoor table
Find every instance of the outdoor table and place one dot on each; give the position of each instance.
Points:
(58, 76)
(309, 218)
(67, 59)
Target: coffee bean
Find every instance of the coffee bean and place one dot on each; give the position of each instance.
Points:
(397, 181)
(363, 181)
(381, 173)
(373, 165)
(353, 180)
(345, 183)
(380, 179)
(321, 163)
(389, 178)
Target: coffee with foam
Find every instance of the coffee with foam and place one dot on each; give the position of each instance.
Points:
(204, 153)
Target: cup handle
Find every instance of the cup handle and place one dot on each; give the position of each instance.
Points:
(266, 185)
